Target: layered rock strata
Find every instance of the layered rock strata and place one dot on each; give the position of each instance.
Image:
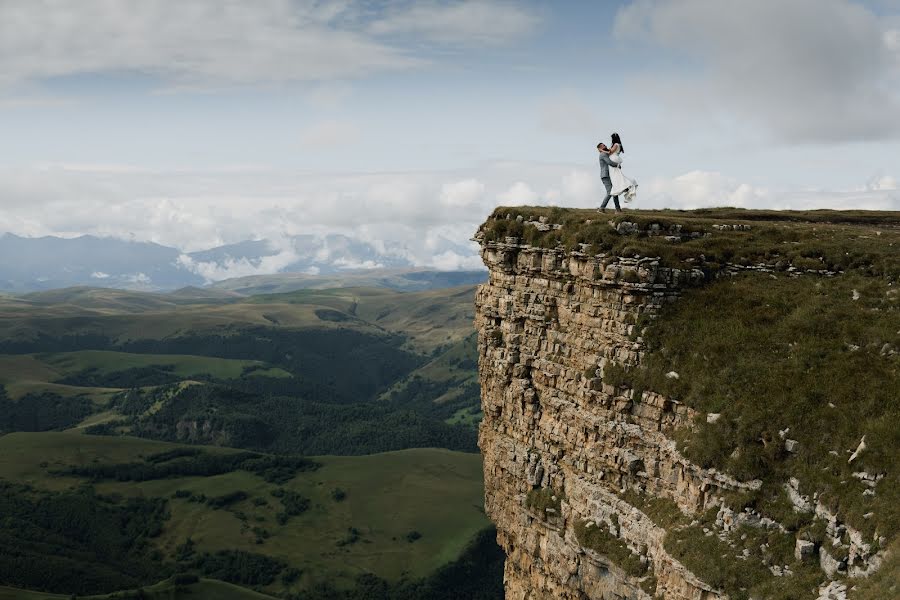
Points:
(549, 321)
(570, 458)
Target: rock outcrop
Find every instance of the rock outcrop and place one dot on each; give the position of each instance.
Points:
(569, 453)
(549, 322)
(583, 477)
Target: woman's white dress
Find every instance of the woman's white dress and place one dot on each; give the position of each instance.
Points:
(622, 186)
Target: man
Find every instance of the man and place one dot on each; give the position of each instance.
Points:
(605, 165)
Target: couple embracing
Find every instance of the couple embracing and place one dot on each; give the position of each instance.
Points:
(611, 174)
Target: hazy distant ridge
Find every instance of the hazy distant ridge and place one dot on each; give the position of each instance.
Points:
(34, 264)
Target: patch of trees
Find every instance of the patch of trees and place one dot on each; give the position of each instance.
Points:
(137, 401)
(131, 377)
(332, 365)
(294, 504)
(107, 427)
(237, 566)
(78, 542)
(274, 469)
(167, 455)
(225, 500)
(248, 370)
(353, 536)
(413, 536)
(476, 575)
(291, 425)
(420, 393)
(329, 314)
(43, 411)
(371, 428)
(234, 566)
(42, 342)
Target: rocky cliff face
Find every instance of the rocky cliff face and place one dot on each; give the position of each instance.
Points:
(548, 323)
(566, 453)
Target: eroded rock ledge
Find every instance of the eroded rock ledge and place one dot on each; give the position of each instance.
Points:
(563, 450)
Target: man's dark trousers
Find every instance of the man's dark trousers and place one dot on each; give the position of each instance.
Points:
(608, 183)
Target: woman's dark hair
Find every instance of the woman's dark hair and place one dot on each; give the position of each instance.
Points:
(617, 140)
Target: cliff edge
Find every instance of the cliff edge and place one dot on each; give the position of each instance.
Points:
(692, 405)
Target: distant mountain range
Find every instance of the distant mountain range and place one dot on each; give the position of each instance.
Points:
(252, 266)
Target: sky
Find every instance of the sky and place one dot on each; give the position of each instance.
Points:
(196, 123)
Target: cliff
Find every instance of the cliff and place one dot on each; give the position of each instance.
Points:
(660, 419)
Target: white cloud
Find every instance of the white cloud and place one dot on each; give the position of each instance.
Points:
(452, 261)
(892, 40)
(462, 193)
(356, 265)
(698, 189)
(520, 193)
(190, 42)
(485, 22)
(209, 43)
(581, 187)
(804, 70)
(882, 183)
(242, 267)
(99, 275)
(425, 218)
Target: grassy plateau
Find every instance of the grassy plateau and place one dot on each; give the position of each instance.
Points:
(799, 358)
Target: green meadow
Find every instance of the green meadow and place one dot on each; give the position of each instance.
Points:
(184, 366)
(32, 373)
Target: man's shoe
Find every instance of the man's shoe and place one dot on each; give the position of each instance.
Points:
(602, 210)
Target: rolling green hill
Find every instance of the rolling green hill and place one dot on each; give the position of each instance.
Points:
(46, 320)
(132, 408)
(59, 371)
(404, 280)
(384, 497)
(313, 357)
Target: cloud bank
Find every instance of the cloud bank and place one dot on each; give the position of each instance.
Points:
(803, 71)
(216, 42)
(425, 218)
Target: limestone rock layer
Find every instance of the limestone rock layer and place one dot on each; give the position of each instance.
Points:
(562, 449)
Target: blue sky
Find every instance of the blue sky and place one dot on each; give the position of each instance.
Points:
(202, 122)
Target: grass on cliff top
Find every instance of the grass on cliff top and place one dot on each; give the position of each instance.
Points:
(815, 358)
(867, 241)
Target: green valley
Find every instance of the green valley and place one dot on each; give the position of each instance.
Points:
(162, 439)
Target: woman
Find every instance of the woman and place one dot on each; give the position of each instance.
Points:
(621, 185)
